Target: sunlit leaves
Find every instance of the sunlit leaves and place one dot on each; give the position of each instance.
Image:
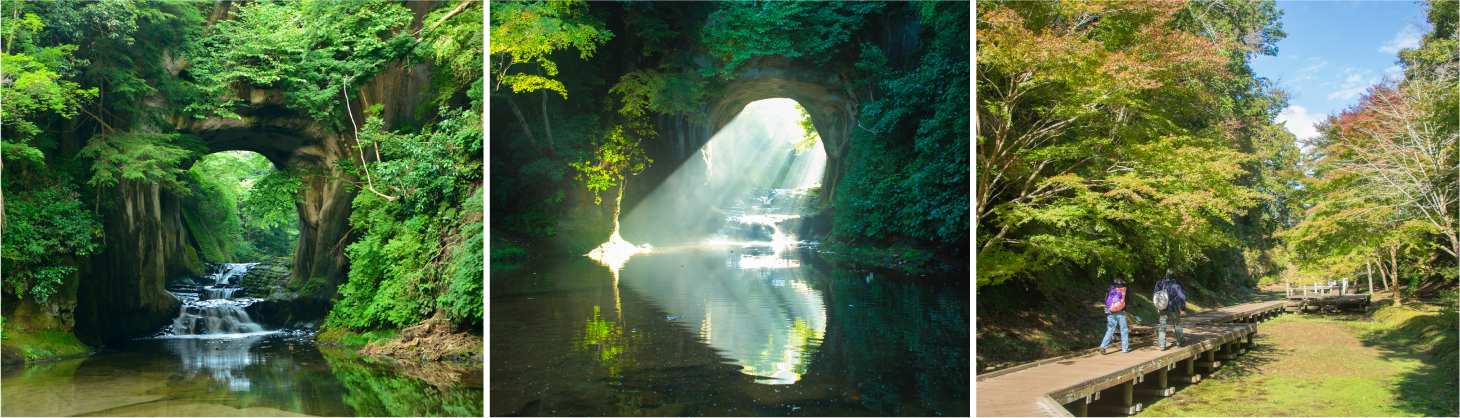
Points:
(653, 91)
(527, 32)
(618, 153)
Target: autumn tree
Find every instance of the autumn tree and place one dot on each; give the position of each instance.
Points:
(1111, 135)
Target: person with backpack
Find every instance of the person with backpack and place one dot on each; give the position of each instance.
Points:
(1170, 301)
(1115, 314)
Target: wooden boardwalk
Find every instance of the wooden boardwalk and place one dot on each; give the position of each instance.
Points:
(1088, 383)
(1302, 302)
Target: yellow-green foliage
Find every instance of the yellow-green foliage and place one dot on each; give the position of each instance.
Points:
(1434, 332)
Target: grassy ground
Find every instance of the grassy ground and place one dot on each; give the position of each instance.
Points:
(1322, 365)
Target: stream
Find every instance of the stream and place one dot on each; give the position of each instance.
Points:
(213, 360)
(748, 322)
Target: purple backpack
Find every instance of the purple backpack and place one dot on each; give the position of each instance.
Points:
(1112, 298)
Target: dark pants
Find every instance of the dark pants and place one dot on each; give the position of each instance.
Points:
(1175, 319)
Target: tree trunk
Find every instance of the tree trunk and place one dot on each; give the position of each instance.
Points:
(518, 111)
(1369, 272)
(1394, 265)
(547, 129)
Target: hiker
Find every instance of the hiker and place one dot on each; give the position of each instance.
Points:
(1115, 313)
(1175, 305)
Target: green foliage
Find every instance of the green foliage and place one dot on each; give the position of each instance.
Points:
(270, 201)
(908, 173)
(741, 31)
(654, 91)
(45, 229)
(809, 137)
(353, 339)
(143, 158)
(618, 153)
(306, 49)
(122, 50)
(1138, 142)
(456, 48)
(527, 32)
(463, 299)
(400, 272)
(240, 208)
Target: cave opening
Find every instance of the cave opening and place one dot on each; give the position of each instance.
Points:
(751, 182)
(241, 208)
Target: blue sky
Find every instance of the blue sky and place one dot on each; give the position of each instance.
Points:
(1334, 51)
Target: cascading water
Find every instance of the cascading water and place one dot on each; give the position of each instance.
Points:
(761, 217)
(216, 308)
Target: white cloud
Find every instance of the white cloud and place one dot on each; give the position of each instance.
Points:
(1355, 81)
(1307, 72)
(1405, 38)
(1299, 122)
(1395, 70)
(1348, 94)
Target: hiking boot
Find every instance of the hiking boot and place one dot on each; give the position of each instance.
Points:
(1102, 351)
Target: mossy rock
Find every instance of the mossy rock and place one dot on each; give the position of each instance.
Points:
(23, 345)
(266, 278)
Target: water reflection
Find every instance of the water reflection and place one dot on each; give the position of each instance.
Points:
(759, 312)
(267, 374)
(221, 360)
(689, 331)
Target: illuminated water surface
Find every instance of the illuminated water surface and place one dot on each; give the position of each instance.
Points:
(726, 330)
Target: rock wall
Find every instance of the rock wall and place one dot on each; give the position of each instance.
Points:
(120, 293)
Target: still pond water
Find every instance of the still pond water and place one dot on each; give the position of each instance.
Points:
(257, 374)
(726, 330)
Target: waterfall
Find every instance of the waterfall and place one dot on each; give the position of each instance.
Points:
(214, 317)
(216, 309)
(229, 271)
(220, 293)
(763, 215)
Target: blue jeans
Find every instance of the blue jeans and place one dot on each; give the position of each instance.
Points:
(1110, 321)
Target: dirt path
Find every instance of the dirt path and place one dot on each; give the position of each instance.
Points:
(1312, 365)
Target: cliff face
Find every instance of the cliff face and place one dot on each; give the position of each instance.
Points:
(120, 293)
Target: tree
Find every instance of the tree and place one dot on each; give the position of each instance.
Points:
(1111, 134)
(525, 34)
(1399, 157)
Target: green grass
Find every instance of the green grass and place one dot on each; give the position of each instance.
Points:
(348, 338)
(1433, 332)
(1316, 365)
